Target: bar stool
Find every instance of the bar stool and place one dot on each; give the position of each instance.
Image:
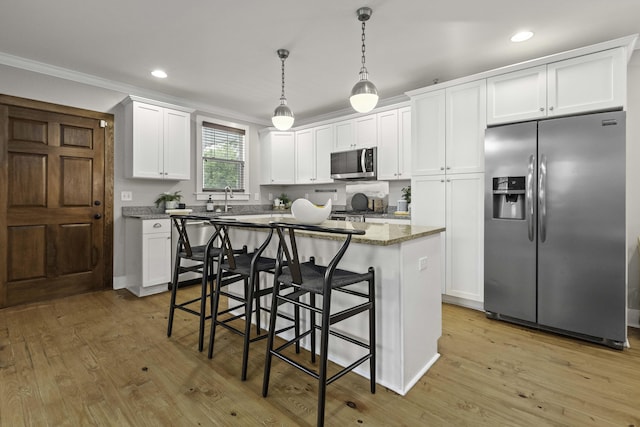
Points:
(194, 259)
(312, 279)
(235, 266)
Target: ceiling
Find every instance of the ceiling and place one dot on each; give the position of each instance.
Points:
(223, 53)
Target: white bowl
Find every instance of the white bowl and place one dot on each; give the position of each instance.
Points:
(308, 213)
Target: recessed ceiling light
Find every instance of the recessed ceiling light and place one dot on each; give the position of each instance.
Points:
(521, 36)
(159, 74)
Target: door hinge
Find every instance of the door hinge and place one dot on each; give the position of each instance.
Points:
(103, 123)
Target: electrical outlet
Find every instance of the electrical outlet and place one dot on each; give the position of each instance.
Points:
(126, 196)
(306, 196)
(256, 197)
(335, 197)
(422, 263)
(270, 196)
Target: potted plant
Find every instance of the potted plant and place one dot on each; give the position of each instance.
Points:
(286, 201)
(406, 194)
(170, 199)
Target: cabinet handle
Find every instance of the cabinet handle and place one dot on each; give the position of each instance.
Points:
(448, 167)
(541, 108)
(157, 225)
(441, 168)
(442, 180)
(550, 108)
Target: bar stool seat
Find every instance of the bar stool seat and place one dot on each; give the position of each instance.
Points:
(245, 266)
(309, 279)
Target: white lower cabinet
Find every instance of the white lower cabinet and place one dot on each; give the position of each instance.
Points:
(148, 255)
(455, 201)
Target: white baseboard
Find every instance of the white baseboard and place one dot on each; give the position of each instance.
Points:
(119, 282)
(476, 305)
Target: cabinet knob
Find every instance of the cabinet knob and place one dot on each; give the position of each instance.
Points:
(541, 108)
(441, 168)
(448, 167)
(550, 108)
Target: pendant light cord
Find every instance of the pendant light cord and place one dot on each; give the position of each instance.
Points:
(282, 95)
(363, 69)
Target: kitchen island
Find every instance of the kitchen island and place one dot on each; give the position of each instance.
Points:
(407, 262)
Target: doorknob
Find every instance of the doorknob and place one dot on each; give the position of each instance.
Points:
(97, 216)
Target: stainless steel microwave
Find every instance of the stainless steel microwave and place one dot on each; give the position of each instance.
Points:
(355, 164)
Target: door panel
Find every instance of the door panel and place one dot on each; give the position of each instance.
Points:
(55, 212)
(582, 260)
(509, 254)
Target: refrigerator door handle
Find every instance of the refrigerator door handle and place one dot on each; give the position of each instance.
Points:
(542, 198)
(529, 195)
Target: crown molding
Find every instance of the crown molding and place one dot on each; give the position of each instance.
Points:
(91, 80)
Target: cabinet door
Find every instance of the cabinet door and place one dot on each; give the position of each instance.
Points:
(428, 200)
(156, 258)
(323, 137)
(517, 96)
(388, 145)
(366, 131)
(177, 145)
(282, 158)
(464, 271)
(305, 157)
(147, 142)
(587, 83)
(428, 133)
(466, 121)
(404, 143)
(345, 136)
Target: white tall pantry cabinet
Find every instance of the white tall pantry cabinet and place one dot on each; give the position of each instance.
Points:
(447, 182)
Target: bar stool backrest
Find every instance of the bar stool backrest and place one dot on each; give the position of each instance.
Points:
(181, 223)
(289, 251)
(223, 226)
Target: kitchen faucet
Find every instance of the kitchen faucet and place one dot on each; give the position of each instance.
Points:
(229, 191)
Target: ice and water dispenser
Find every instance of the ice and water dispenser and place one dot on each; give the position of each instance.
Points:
(509, 197)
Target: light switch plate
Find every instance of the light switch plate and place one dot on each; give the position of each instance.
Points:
(422, 263)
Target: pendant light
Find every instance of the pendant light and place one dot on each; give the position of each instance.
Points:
(364, 95)
(282, 116)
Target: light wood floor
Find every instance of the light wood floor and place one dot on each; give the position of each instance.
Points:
(104, 359)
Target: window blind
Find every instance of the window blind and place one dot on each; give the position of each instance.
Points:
(223, 150)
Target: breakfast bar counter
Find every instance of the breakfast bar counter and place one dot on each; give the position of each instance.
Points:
(407, 263)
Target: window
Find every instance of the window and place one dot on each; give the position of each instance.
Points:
(223, 157)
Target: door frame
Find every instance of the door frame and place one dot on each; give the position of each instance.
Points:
(107, 222)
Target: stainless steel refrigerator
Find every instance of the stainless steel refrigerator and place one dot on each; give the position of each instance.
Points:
(555, 249)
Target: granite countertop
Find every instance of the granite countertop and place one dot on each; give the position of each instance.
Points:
(155, 213)
(376, 234)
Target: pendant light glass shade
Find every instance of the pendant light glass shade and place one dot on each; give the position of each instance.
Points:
(282, 116)
(364, 95)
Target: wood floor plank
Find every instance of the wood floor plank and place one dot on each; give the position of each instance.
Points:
(104, 359)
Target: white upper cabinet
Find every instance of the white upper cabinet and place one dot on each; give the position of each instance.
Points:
(394, 144)
(313, 155)
(466, 121)
(586, 83)
(158, 141)
(361, 132)
(448, 130)
(278, 160)
(428, 133)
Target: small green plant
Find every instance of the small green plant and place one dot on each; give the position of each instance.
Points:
(406, 194)
(168, 197)
(285, 199)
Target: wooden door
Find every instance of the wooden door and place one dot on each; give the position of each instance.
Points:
(55, 215)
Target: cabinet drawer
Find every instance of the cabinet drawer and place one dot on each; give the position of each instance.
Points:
(156, 226)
